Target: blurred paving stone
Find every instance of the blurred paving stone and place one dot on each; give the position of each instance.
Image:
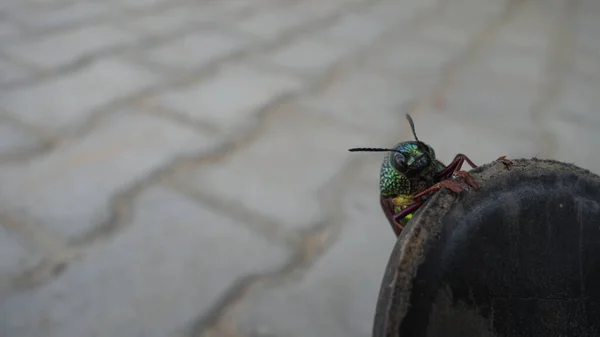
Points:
(337, 296)
(66, 101)
(140, 4)
(356, 29)
(69, 189)
(586, 68)
(63, 48)
(395, 11)
(527, 32)
(485, 11)
(298, 152)
(523, 65)
(172, 263)
(8, 31)
(197, 49)
(574, 120)
(231, 97)
(228, 9)
(11, 73)
(586, 28)
(168, 21)
(271, 23)
(579, 102)
(14, 139)
(452, 34)
(16, 256)
(416, 57)
(451, 28)
(364, 99)
(75, 13)
(577, 140)
(488, 99)
(307, 56)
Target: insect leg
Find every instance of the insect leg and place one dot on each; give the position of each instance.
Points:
(449, 184)
(468, 179)
(455, 166)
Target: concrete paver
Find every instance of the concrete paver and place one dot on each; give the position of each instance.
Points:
(356, 29)
(17, 255)
(12, 73)
(354, 92)
(310, 55)
(7, 30)
(60, 16)
(270, 23)
(299, 143)
(66, 102)
(64, 48)
(180, 168)
(150, 279)
(167, 22)
(503, 101)
(231, 97)
(15, 139)
(416, 58)
(197, 49)
(84, 176)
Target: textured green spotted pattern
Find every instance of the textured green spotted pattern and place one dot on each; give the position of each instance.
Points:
(392, 182)
(400, 203)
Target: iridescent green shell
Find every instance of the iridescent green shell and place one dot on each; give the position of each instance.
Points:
(400, 202)
(391, 181)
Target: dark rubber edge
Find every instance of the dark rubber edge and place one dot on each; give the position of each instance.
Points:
(424, 229)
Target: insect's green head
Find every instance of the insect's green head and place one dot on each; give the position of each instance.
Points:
(406, 160)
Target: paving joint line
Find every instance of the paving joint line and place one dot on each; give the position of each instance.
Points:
(103, 18)
(189, 78)
(202, 127)
(50, 269)
(55, 251)
(108, 109)
(313, 243)
(121, 203)
(262, 224)
(150, 41)
(43, 74)
(123, 49)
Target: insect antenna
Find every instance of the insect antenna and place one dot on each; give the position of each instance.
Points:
(412, 126)
(371, 149)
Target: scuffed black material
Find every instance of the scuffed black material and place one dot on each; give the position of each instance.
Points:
(519, 257)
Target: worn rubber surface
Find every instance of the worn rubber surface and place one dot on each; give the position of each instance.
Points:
(518, 257)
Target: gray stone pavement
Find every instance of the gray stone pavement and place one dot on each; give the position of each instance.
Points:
(180, 168)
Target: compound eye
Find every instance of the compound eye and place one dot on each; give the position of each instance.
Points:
(399, 161)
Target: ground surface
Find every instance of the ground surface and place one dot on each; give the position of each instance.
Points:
(180, 168)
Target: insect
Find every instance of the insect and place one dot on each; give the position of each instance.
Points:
(410, 173)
